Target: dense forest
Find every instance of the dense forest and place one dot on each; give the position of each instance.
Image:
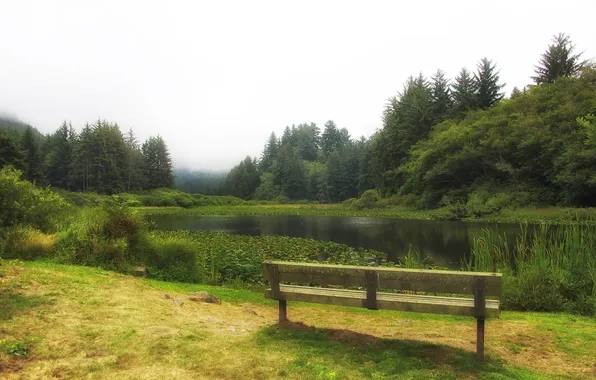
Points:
(455, 143)
(448, 142)
(99, 158)
(199, 181)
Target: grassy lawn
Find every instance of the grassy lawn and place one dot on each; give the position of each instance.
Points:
(59, 321)
(531, 215)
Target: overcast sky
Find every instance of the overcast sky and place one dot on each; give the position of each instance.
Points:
(214, 78)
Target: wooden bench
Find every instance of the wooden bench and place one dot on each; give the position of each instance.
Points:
(420, 282)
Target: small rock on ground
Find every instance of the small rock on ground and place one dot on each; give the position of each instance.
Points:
(204, 297)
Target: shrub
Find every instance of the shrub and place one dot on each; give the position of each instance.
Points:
(22, 203)
(27, 243)
(349, 202)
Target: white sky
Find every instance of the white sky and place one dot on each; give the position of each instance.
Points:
(214, 78)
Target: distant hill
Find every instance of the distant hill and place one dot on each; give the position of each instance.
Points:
(198, 181)
(12, 123)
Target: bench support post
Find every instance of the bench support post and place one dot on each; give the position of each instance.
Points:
(283, 311)
(480, 314)
(480, 339)
(370, 277)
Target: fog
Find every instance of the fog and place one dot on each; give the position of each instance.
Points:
(216, 78)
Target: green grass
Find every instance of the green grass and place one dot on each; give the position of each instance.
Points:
(530, 215)
(114, 326)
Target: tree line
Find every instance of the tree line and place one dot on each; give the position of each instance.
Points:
(99, 158)
(448, 141)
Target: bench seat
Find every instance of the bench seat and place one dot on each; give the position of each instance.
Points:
(390, 301)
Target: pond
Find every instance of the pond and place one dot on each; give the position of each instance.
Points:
(443, 243)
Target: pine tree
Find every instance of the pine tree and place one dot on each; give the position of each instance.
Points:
(515, 93)
(32, 157)
(307, 141)
(244, 179)
(558, 60)
(59, 157)
(157, 163)
(488, 88)
(10, 152)
(134, 161)
(440, 97)
(407, 119)
(269, 154)
(80, 169)
(289, 173)
(337, 183)
(333, 139)
(463, 92)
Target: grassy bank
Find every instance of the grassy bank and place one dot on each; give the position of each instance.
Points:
(522, 215)
(70, 322)
(545, 271)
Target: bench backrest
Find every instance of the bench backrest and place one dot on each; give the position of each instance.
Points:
(372, 278)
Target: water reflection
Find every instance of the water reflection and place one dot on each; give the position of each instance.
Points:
(445, 243)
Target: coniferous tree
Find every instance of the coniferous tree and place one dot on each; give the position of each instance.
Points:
(337, 183)
(488, 88)
(80, 169)
(59, 157)
(157, 163)
(463, 92)
(10, 151)
(289, 173)
(32, 158)
(269, 154)
(134, 162)
(244, 179)
(407, 120)
(440, 97)
(558, 60)
(330, 140)
(307, 141)
(515, 93)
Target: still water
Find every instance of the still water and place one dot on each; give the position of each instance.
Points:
(444, 243)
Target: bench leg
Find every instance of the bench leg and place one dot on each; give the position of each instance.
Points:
(283, 316)
(480, 339)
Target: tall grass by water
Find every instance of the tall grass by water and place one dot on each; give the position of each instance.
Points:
(549, 268)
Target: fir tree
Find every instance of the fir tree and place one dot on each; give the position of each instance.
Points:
(32, 158)
(488, 88)
(558, 60)
(463, 92)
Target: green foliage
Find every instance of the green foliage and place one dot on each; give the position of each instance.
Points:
(58, 159)
(198, 181)
(10, 152)
(157, 163)
(22, 203)
(14, 348)
(267, 190)
(488, 88)
(464, 93)
(369, 199)
(32, 157)
(549, 269)
(558, 60)
(243, 179)
(530, 144)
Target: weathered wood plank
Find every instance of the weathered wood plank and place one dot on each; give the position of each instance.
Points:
(389, 301)
(421, 280)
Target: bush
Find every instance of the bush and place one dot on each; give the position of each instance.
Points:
(22, 203)
(368, 199)
(27, 243)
